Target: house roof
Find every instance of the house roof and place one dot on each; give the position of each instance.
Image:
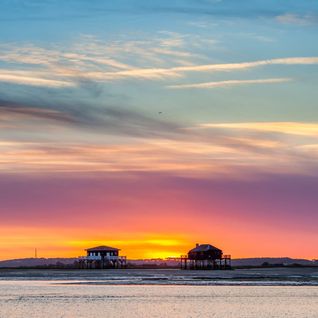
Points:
(102, 249)
(204, 248)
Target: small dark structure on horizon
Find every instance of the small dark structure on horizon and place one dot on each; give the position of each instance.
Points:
(205, 256)
(101, 257)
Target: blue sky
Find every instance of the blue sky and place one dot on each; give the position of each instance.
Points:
(167, 34)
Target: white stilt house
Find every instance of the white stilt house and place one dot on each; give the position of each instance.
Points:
(102, 257)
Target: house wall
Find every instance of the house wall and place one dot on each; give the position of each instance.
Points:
(110, 253)
(205, 255)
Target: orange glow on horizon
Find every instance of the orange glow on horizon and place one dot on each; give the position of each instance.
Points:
(50, 243)
(19, 243)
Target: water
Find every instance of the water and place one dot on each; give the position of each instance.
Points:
(158, 293)
(257, 277)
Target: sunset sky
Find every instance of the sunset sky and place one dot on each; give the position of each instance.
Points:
(154, 125)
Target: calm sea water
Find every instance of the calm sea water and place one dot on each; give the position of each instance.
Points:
(133, 294)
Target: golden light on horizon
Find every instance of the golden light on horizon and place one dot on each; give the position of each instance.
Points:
(20, 242)
(53, 243)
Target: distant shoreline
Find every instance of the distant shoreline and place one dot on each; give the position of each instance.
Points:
(71, 263)
(73, 268)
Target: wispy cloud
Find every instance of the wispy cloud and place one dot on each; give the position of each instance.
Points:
(112, 120)
(88, 59)
(30, 78)
(292, 18)
(213, 149)
(179, 71)
(95, 61)
(292, 128)
(231, 83)
(9, 113)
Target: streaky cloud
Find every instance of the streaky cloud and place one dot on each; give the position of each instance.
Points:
(292, 128)
(108, 119)
(297, 19)
(29, 112)
(231, 83)
(210, 149)
(28, 78)
(100, 62)
(224, 67)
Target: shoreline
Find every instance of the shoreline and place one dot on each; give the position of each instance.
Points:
(238, 277)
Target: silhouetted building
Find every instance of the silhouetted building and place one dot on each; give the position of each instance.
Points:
(102, 257)
(205, 256)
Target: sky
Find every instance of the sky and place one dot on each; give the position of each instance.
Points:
(154, 125)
